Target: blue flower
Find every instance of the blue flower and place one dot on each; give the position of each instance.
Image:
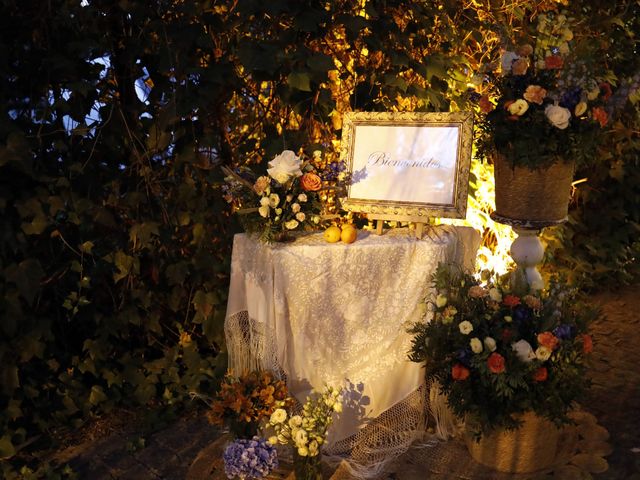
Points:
(571, 98)
(563, 332)
(250, 459)
(464, 356)
(521, 314)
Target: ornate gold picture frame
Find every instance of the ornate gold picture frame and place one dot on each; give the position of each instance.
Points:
(407, 164)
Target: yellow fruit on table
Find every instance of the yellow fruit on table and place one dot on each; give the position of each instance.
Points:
(349, 235)
(332, 234)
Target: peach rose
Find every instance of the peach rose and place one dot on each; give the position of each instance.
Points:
(548, 339)
(520, 66)
(524, 50)
(541, 374)
(459, 372)
(553, 62)
(311, 182)
(532, 302)
(600, 115)
(262, 183)
(535, 94)
(495, 362)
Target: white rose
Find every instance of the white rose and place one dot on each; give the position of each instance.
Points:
(302, 197)
(337, 407)
(300, 437)
(300, 216)
(295, 207)
(278, 211)
(264, 201)
(313, 448)
(465, 327)
(289, 198)
(508, 319)
(291, 224)
(285, 166)
(476, 345)
(558, 116)
(523, 351)
(441, 300)
(495, 295)
(542, 354)
(303, 451)
(519, 107)
(264, 211)
(490, 344)
(278, 416)
(316, 219)
(274, 200)
(282, 439)
(507, 60)
(295, 421)
(273, 440)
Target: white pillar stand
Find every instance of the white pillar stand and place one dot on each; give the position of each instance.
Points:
(527, 251)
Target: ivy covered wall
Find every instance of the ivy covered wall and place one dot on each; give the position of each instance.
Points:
(114, 236)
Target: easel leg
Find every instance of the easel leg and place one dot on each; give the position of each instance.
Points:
(379, 224)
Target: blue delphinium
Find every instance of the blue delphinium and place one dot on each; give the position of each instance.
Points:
(250, 459)
(563, 331)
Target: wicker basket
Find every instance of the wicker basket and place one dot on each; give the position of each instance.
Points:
(540, 195)
(530, 448)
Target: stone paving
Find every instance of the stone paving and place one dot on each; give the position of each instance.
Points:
(614, 399)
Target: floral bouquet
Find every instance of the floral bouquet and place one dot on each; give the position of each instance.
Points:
(547, 100)
(250, 459)
(307, 432)
(286, 198)
(243, 402)
(497, 352)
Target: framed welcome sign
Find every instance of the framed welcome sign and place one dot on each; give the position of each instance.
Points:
(407, 164)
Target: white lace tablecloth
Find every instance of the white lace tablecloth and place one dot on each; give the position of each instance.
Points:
(337, 313)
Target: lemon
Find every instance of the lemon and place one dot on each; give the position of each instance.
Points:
(349, 235)
(332, 234)
(347, 225)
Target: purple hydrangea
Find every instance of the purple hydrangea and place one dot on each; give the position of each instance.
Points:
(250, 459)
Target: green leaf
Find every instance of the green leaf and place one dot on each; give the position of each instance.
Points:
(320, 63)
(9, 379)
(125, 265)
(26, 275)
(204, 303)
(86, 246)
(97, 395)
(299, 81)
(7, 450)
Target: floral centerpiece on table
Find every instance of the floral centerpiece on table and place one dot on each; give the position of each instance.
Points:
(250, 459)
(496, 352)
(307, 431)
(243, 402)
(547, 99)
(286, 197)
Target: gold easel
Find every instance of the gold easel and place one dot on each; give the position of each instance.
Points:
(419, 221)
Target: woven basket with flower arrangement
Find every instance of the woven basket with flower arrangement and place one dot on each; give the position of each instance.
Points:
(506, 359)
(543, 110)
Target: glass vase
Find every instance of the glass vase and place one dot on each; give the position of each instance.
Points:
(307, 468)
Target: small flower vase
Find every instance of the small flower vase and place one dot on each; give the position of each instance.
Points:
(307, 468)
(284, 236)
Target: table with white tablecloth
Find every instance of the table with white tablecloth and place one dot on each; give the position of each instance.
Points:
(332, 313)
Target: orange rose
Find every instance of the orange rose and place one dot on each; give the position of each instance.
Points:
(459, 372)
(519, 67)
(535, 94)
(587, 343)
(485, 104)
(553, 62)
(495, 362)
(600, 115)
(511, 301)
(548, 339)
(541, 374)
(311, 182)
